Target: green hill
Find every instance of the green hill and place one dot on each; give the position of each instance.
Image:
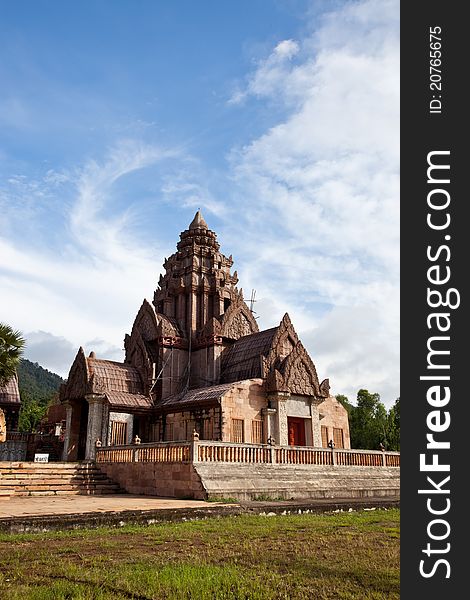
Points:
(37, 383)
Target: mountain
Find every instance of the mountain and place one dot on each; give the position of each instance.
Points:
(37, 383)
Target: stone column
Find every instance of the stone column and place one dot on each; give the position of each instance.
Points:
(316, 427)
(95, 423)
(105, 424)
(269, 415)
(68, 428)
(278, 401)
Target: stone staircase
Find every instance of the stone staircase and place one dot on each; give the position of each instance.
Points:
(54, 479)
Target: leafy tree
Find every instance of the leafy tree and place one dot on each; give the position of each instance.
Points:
(11, 348)
(31, 413)
(393, 426)
(368, 422)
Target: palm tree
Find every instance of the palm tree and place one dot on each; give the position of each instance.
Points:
(11, 349)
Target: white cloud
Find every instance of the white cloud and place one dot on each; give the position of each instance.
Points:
(265, 79)
(324, 229)
(310, 213)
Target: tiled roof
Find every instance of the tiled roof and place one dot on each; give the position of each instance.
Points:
(242, 360)
(115, 376)
(205, 395)
(9, 393)
(124, 400)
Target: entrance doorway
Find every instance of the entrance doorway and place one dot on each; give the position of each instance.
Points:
(296, 431)
(83, 429)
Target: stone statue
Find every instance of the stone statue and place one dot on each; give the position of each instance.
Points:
(137, 440)
(195, 436)
(98, 444)
(3, 427)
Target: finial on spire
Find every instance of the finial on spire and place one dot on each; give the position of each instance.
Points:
(198, 222)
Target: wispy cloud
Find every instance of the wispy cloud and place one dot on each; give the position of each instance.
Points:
(324, 225)
(308, 208)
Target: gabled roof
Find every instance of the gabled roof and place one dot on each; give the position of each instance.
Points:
(114, 376)
(199, 396)
(243, 359)
(123, 400)
(120, 383)
(9, 393)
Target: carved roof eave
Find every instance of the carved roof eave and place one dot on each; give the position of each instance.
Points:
(287, 380)
(168, 329)
(135, 345)
(238, 306)
(285, 329)
(78, 379)
(146, 311)
(210, 333)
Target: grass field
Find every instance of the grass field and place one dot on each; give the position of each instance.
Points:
(328, 556)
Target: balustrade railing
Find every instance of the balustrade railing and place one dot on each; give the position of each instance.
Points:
(211, 451)
(152, 452)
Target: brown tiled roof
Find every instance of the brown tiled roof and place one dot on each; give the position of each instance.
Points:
(115, 376)
(124, 400)
(55, 414)
(204, 396)
(243, 359)
(9, 393)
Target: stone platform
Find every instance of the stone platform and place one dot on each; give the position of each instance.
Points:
(39, 514)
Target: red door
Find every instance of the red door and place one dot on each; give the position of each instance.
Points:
(296, 431)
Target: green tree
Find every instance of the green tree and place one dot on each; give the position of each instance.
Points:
(31, 413)
(368, 422)
(11, 348)
(393, 426)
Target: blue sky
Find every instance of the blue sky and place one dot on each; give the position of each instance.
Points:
(279, 119)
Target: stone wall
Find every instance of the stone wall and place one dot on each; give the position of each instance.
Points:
(180, 426)
(13, 450)
(245, 401)
(251, 481)
(333, 415)
(174, 480)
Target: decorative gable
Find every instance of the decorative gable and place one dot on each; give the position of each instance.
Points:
(238, 320)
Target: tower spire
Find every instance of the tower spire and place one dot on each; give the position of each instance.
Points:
(198, 222)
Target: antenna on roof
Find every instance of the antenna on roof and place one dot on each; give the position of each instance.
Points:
(252, 301)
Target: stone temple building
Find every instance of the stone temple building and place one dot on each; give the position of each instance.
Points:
(196, 360)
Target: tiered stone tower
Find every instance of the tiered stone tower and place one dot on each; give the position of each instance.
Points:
(197, 311)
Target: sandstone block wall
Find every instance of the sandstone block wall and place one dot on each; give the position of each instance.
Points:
(333, 414)
(251, 481)
(175, 480)
(244, 401)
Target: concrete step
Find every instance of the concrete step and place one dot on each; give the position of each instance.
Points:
(48, 479)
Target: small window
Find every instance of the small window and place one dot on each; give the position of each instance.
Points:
(169, 432)
(226, 304)
(324, 436)
(155, 432)
(208, 429)
(257, 432)
(118, 435)
(338, 437)
(238, 434)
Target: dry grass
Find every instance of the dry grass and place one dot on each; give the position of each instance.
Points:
(334, 556)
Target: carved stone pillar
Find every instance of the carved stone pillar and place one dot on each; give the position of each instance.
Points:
(278, 401)
(269, 415)
(316, 428)
(68, 429)
(95, 423)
